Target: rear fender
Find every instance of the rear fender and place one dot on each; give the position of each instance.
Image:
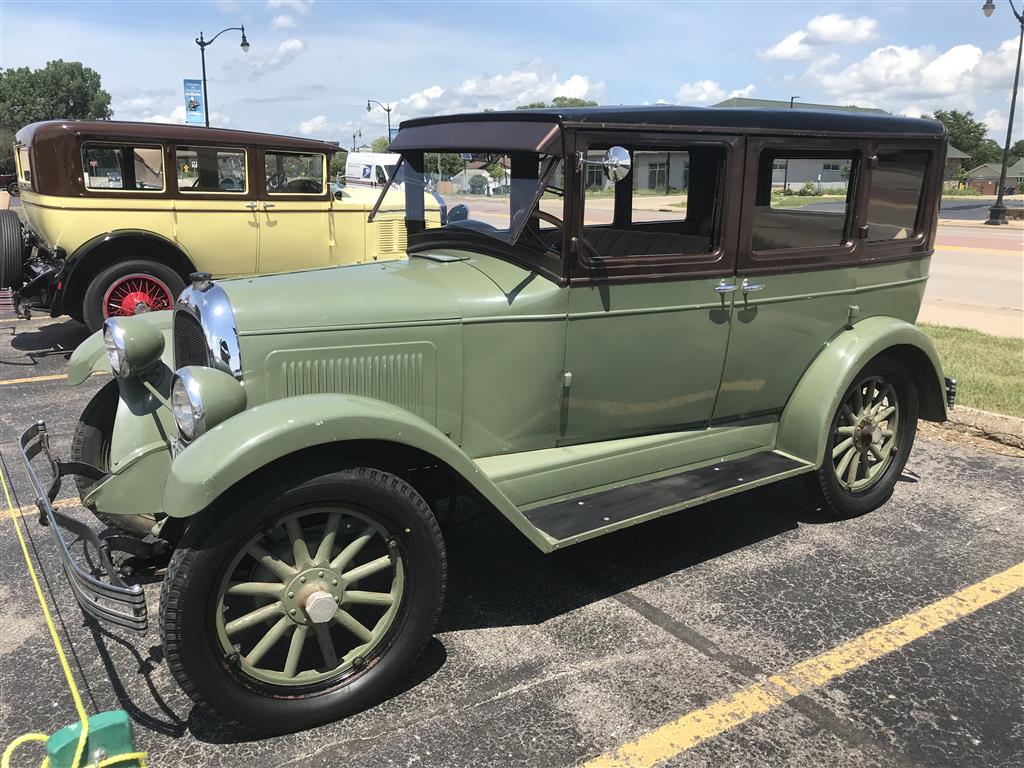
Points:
(803, 429)
(236, 449)
(91, 357)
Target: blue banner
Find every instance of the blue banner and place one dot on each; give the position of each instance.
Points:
(394, 132)
(195, 109)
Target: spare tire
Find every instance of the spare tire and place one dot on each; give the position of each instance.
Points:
(11, 249)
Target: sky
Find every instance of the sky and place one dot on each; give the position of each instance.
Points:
(313, 64)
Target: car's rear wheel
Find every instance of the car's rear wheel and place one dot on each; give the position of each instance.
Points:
(305, 604)
(869, 439)
(11, 249)
(130, 288)
(90, 444)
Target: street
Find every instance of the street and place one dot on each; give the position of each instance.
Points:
(554, 660)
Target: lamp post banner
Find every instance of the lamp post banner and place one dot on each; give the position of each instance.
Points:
(195, 107)
(394, 132)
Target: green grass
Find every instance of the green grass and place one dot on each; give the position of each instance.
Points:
(962, 192)
(989, 369)
(797, 201)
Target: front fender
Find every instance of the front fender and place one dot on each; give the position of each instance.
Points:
(803, 429)
(245, 443)
(91, 357)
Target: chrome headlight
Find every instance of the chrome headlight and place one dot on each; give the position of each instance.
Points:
(113, 340)
(201, 398)
(133, 345)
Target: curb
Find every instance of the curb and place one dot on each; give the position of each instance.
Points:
(1014, 224)
(1008, 430)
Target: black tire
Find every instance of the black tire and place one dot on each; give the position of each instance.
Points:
(13, 189)
(91, 444)
(838, 500)
(11, 249)
(168, 282)
(190, 597)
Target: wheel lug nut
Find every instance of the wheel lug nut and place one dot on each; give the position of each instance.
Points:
(291, 612)
(291, 595)
(319, 574)
(334, 582)
(302, 579)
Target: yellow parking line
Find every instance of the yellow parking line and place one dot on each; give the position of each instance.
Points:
(31, 508)
(702, 724)
(51, 377)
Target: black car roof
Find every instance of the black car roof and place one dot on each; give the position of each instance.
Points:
(743, 119)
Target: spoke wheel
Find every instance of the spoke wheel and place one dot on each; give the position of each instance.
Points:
(865, 434)
(310, 597)
(134, 294)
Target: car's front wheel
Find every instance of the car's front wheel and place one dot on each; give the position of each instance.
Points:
(13, 189)
(305, 604)
(869, 439)
(129, 288)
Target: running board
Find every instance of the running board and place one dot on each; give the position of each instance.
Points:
(585, 517)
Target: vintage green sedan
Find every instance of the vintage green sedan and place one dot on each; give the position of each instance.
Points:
(627, 318)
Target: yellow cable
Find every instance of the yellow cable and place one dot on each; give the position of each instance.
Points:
(83, 716)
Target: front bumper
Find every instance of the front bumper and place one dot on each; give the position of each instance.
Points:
(110, 599)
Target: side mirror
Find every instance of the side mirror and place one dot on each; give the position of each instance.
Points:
(617, 164)
(459, 212)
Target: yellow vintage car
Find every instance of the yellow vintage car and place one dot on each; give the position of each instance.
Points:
(117, 215)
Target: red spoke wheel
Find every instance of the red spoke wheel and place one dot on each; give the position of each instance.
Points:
(134, 294)
(128, 288)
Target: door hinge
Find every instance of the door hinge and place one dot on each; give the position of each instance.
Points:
(566, 379)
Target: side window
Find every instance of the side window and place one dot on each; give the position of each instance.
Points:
(897, 182)
(291, 173)
(24, 164)
(104, 167)
(671, 208)
(802, 201)
(381, 177)
(210, 169)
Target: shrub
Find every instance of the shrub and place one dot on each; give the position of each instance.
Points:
(808, 189)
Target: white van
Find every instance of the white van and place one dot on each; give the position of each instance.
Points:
(370, 168)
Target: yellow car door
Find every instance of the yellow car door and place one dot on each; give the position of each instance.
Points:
(294, 211)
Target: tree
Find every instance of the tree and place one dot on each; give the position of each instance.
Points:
(446, 164)
(61, 89)
(986, 152)
(380, 144)
(968, 135)
(336, 170)
(1017, 151)
(559, 102)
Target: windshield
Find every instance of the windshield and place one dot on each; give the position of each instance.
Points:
(513, 197)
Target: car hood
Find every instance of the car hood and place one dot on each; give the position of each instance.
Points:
(381, 293)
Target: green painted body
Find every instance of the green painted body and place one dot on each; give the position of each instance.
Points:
(110, 733)
(464, 357)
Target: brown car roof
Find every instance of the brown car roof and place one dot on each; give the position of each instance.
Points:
(56, 130)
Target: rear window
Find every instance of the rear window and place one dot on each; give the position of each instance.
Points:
(211, 169)
(104, 167)
(24, 164)
(897, 183)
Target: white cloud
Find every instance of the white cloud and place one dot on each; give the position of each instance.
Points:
(315, 125)
(709, 92)
(254, 66)
(296, 6)
(996, 122)
(177, 116)
(832, 28)
(284, 21)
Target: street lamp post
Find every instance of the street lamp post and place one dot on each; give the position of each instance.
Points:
(202, 53)
(385, 108)
(785, 174)
(997, 213)
(356, 135)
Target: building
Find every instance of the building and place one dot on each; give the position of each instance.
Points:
(955, 160)
(985, 178)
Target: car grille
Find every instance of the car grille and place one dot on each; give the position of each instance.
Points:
(190, 347)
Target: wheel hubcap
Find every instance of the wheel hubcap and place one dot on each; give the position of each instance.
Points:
(310, 597)
(864, 440)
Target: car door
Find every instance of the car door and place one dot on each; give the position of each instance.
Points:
(650, 301)
(214, 213)
(797, 268)
(294, 211)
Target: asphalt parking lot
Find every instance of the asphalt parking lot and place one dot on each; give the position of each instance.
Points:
(681, 638)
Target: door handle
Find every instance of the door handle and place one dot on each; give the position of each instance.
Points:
(251, 206)
(267, 206)
(724, 287)
(748, 286)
